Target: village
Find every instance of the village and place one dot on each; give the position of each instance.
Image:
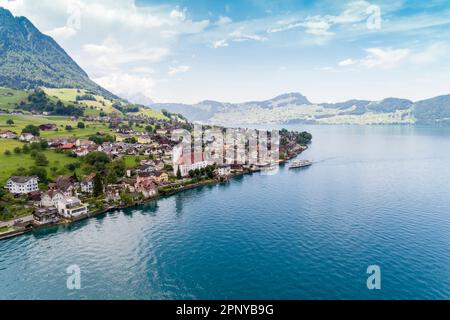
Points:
(160, 168)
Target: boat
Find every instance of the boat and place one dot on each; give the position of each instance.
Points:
(300, 164)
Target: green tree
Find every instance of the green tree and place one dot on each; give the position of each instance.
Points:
(41, 160)
(10, 122)
(97, 159)
(7, 153)
(40, 172)
(111, 178)
(98, 185)
(17, 150)
(179, 173)
(26, 148)
(32, 129)
(81, 125)
(69, 128)
(33, 154)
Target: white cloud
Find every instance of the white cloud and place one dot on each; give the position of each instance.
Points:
(178, 69)
(385, 58)
(127, 85)
(220, 44)
(347, 62)
(432, 53)
(379, 57)
(223, 21)
(111, 54)
(62, 33)
(389, 57)
(320, 25)
(178, 14)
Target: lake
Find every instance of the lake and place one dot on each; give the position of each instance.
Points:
(376, 195)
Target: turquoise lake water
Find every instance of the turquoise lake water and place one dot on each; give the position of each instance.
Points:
(375, 196)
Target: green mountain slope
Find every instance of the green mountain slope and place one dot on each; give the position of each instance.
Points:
(30, 59)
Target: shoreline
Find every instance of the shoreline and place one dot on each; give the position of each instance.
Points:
(15, 233)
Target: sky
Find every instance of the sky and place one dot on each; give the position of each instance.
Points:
(187, 51)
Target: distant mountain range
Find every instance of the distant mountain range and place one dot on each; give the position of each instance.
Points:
(30, 59)
(296, 108)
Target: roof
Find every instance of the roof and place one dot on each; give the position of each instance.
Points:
(89, 177)
(20, 179)
(63, 183)
(71, 200)
(68, 146)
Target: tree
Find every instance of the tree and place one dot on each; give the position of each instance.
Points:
(32, 129)
(17, 150)
(7, 153)
(69, 128)
(179, 176)
(81, 125)
(112, 176)
(98, 185)
(43, 144)
(10, 122)
(98, 159)
(41, 160)
(25, 148)
(191, 173)
(149, 129)
(40, 172)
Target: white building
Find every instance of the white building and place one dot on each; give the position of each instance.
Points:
(87, 185)
(26, 137)
(187, 162)
(51, 198)
(22, 185)
(71, 207)
(224, 171)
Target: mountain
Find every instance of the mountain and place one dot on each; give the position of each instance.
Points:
(433, 111)
(296, 108)
(30, 59)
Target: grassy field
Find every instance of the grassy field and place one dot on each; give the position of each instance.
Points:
(21, 122)
(70, 95)
(10, 97)
(150, 113)
(10, 164)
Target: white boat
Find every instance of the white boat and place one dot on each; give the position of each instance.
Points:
(300, 164)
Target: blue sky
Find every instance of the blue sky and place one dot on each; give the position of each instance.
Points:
(192, 50)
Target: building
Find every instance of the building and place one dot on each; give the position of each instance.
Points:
(81, 152)
(83, 143)
(6, 134)
(87, 185)
(71, 207)
(26, 137)
(66, 185)
(22, 185)
(144, 139)
(187, 162)
(47, 127)
(145, 185)
(160, 177)
(51, 198)
(43, 216)
(224, 171)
